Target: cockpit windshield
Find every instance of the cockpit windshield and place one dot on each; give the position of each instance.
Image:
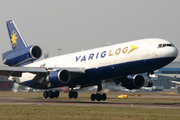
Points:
(165, 45)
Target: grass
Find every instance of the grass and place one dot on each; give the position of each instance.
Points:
(58, 112)
(49, 112)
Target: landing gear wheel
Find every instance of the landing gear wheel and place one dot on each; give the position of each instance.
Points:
(103, 96)
(51, 94)
(75, 94)
(56, 94)
(149, 84)
(98, 96)
(93, 97)
(71, 94)
(45, 94)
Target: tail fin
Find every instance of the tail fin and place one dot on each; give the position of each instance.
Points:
(16, 39)
(20, 54)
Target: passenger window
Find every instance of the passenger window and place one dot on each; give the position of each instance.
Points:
(160, 45)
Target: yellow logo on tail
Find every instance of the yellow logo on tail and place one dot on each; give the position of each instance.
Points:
(133, 48)
(13, 38)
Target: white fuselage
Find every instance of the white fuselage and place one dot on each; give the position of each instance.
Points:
(144, 49)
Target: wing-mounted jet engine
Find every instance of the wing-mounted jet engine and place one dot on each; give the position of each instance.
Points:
(133, 82)
(59, 77)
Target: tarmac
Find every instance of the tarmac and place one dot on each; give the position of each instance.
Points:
(32, 101)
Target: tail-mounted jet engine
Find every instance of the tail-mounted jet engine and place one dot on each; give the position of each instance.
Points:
(59, 77)
(133, 82)
(28, 54)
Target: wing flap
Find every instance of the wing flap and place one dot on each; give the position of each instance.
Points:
(70, 69)
(17, 71)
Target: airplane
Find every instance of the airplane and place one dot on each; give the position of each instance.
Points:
(123, 63)
(177, 82)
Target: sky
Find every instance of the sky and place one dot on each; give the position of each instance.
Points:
(73, 25)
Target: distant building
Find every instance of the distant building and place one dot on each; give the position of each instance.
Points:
(167, 74)
(5, 84)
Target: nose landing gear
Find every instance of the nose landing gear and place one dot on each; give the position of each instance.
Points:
(148, 83)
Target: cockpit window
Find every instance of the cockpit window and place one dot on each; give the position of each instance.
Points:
(172, 45)
(160, 45)
(165, 45)
(169, 45)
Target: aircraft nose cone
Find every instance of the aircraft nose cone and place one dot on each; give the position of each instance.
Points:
(174, 52)
(168, 52)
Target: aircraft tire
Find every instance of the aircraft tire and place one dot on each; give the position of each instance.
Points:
(56, 94)
(150, 84)
(103, 96)
(98, 96)
(45, 94)
(93, 97)
(147, 84)
(51, 94)
(71, 94)
(75, 94)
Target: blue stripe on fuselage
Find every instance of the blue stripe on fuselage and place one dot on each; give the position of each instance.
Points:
(110, 71)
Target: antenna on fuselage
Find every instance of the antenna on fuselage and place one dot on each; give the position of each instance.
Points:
(59, 50)
(107, 44)
(46, 55)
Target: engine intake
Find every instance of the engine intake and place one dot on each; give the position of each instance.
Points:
(59, 77)
(133, 82)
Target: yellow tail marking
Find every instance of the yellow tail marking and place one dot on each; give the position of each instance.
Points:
(13, 39)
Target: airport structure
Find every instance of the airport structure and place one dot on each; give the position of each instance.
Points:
(167, 74)
(5, 84)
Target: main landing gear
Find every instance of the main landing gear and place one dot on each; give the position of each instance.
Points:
(73, 94)
(148, 83)
(98, 96)
(51, 94)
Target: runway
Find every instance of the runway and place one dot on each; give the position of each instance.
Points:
(30, 101)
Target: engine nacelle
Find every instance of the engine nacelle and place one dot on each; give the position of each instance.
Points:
(133, 82)
(22, 56)
(59, 77)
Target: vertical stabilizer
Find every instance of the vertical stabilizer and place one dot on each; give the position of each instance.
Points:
(16, 39)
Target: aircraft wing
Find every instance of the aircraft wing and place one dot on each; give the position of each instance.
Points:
(17, 71)
(175, 82)
(171, 75)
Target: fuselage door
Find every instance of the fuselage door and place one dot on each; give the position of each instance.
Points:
(152, 50)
